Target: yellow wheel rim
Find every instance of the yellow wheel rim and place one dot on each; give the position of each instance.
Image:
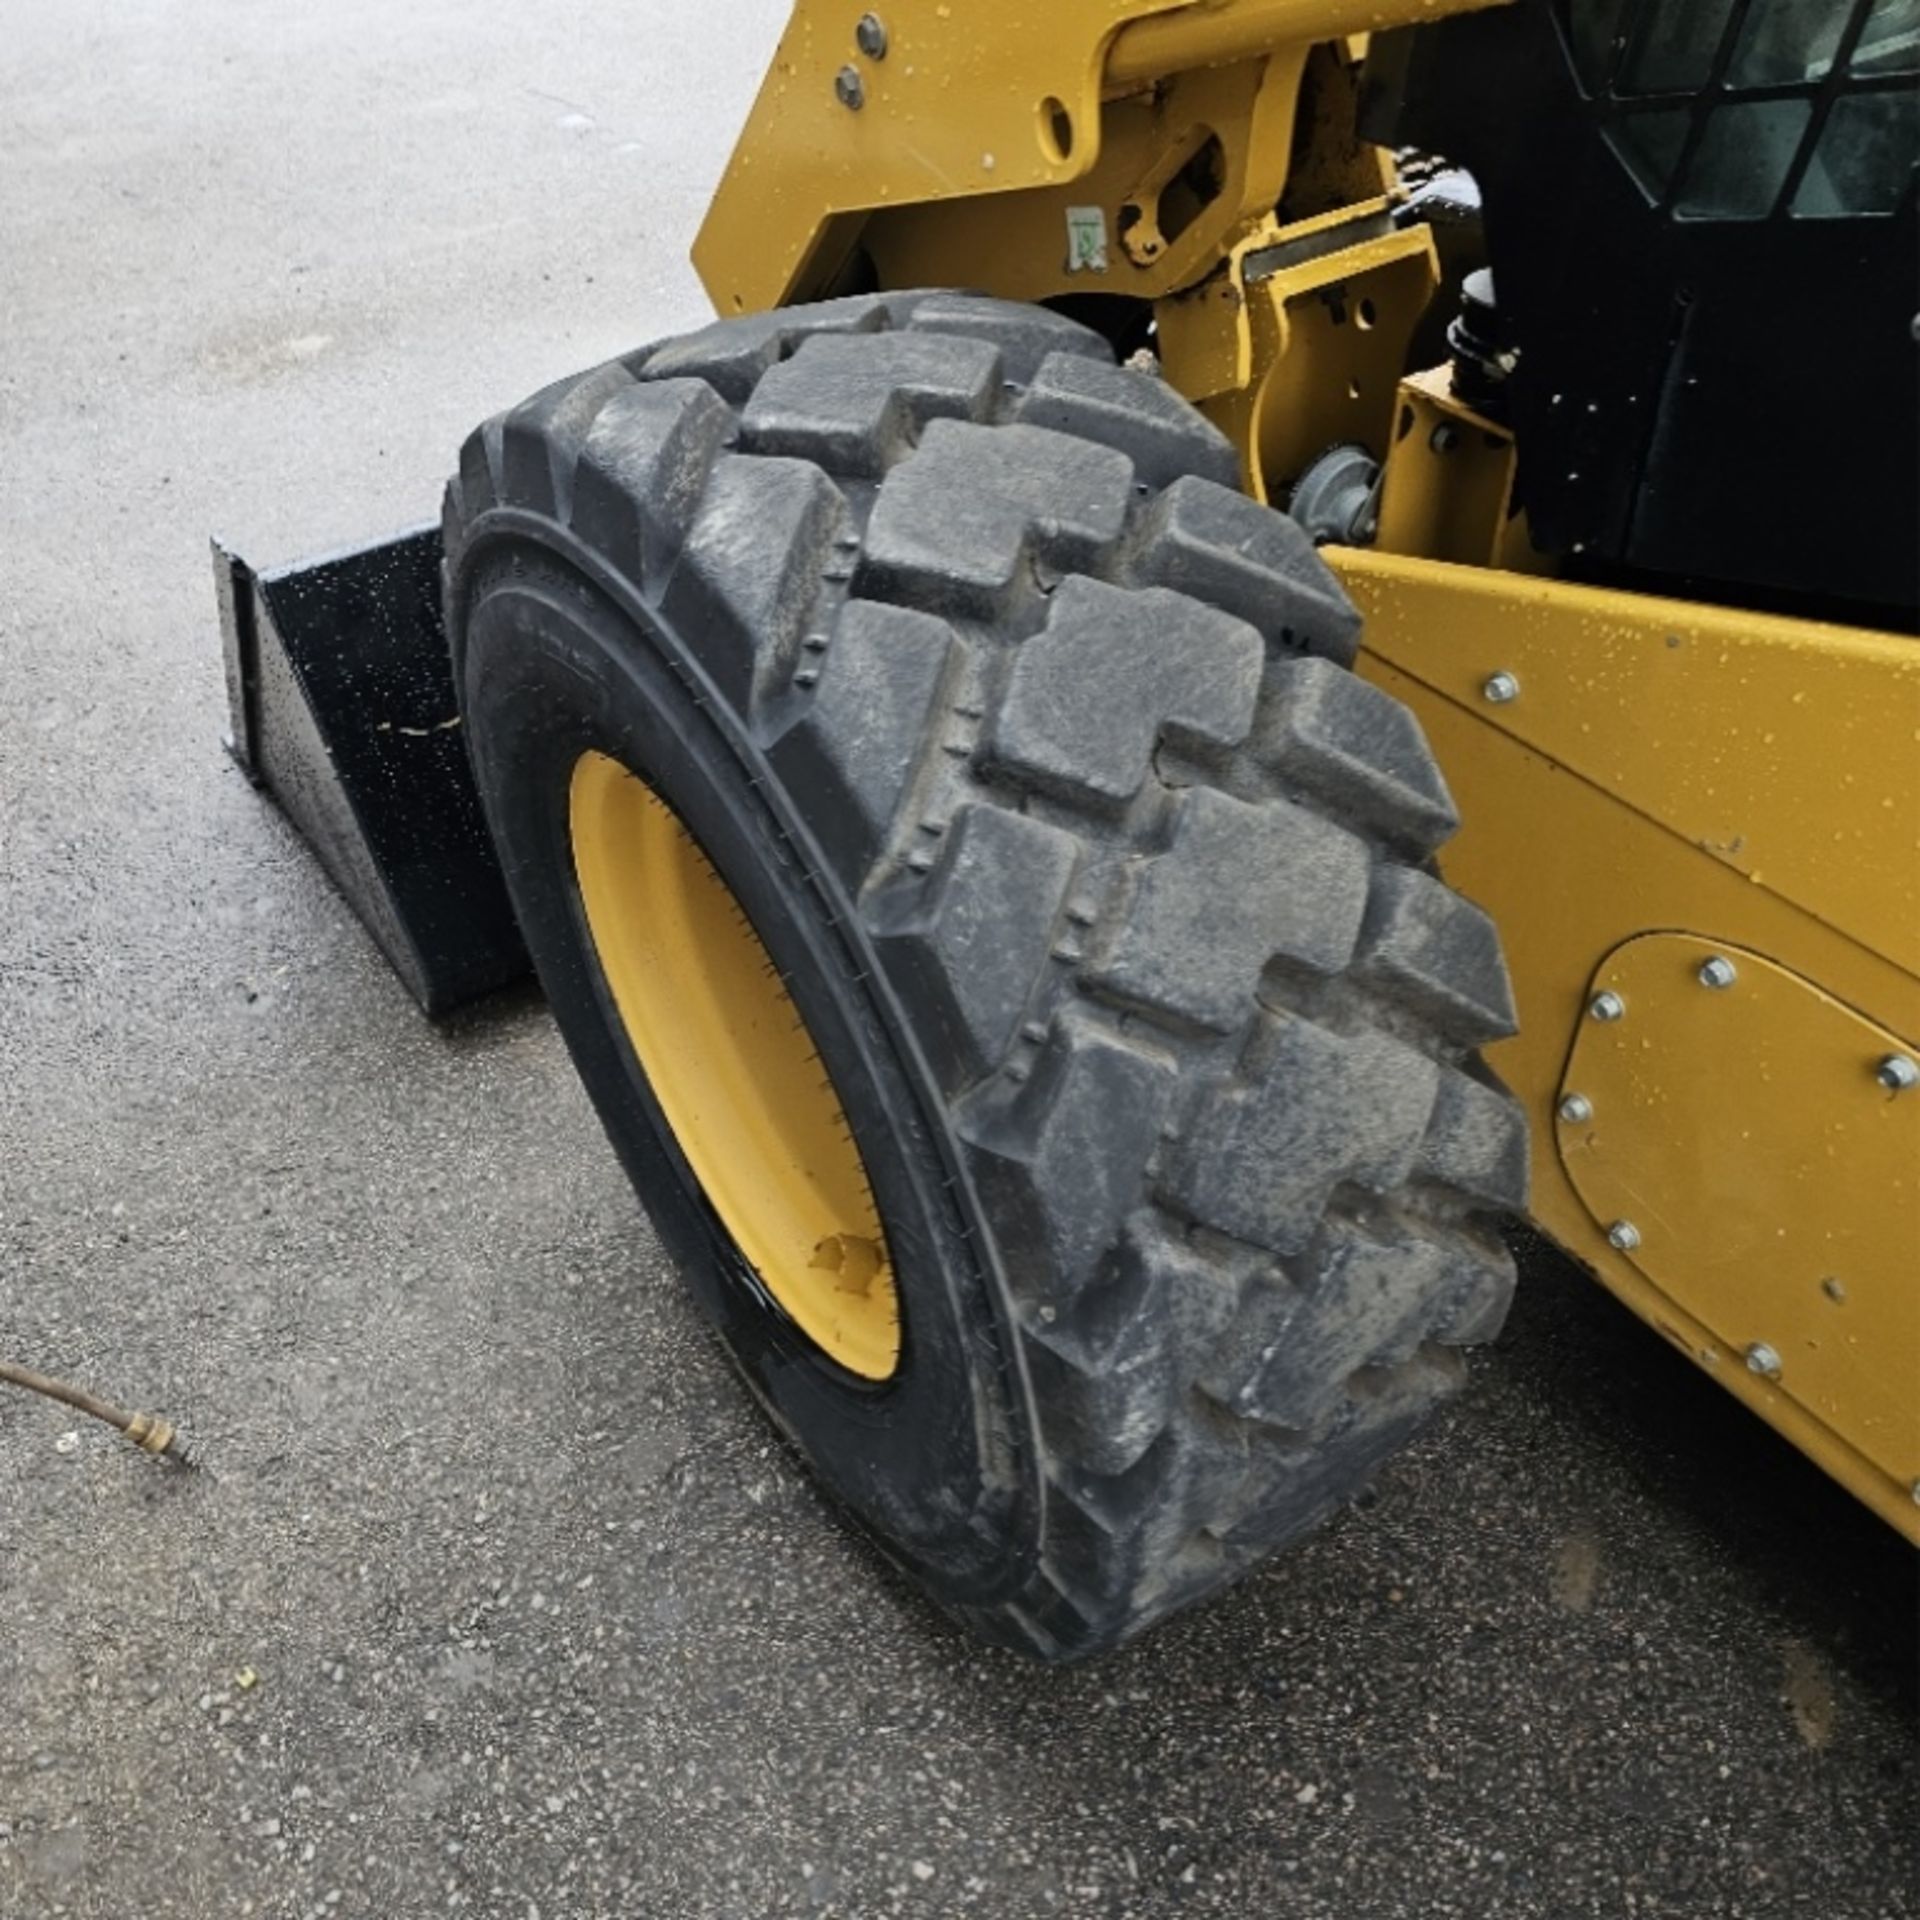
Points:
(733, 1067)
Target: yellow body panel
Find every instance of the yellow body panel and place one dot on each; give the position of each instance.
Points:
(1785, 750)
(1669, 773)
(1739, 1139)
(991, 116)
(1574, 857)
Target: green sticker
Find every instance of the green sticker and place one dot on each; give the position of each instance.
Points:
(1086, 240)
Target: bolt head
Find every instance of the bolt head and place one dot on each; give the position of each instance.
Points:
(1606, 1006)
(849, 88)
(1623, 1236)
(1500, 688)
(1576, 1109)
(1718, 972)
(870, 36)
(1444, 438)
(1897, 1073)
(1762, 1359)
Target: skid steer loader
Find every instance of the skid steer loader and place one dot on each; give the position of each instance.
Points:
(1016, 752)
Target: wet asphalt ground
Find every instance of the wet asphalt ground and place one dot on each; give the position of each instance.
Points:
(493, 1596)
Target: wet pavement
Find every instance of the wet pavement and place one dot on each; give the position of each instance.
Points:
(493, 1595)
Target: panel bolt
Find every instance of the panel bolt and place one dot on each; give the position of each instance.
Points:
(1576, 1109)
(1444, 438)
(1718, 972)
(1500, 688)
(870, 36)
(1897, 1073)
(1623, 1236)
(1606, 1006)
(1834, 1289)
(1762, 1359)
(847, 84)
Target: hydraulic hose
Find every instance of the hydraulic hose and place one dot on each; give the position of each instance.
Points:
(147, 1431)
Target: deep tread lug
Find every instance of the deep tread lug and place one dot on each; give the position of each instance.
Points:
(1022, 336)
(732, 355)
(1066, 1152)
(1161, 433)
(1436, 950)
(1476, 1143)
(954, 526)
(1350, 1303)
(750, 571)
(1299, 893)
(1113, 672)
(1204, 539)
(857, 405)
(974, 938)
(884, 676)
(1325, 1110)
(642, 469)
(1352, 746)
(541, 438)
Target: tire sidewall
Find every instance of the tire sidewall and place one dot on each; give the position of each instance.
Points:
(934, 1461)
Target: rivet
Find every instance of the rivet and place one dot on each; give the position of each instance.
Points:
(1623, 1236)
(1576, 1109)
(848, 85)
(1897, 1073)
(870, 36)
(1718, 972)
(1606, 1006)
(1500, 688)
(1762, 1359)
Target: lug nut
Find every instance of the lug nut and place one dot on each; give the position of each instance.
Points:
(1606, 1006)
(1576, 1109)
(1623, 1236)
(1500, 688)
(1897, 1073)
(1718, 972)
(870, 36)
(1762, 1359)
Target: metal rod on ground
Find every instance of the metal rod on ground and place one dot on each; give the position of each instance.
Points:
(146, 1430)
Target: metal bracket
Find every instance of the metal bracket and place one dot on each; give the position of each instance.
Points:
(343, 711)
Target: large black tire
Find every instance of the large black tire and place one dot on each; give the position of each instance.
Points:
(1029, 746)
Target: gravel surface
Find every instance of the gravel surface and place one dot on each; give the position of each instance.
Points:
(493, 1596)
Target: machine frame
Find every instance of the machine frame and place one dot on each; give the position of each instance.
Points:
(1694, 825)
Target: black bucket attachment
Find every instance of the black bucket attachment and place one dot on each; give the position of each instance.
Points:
(343, 710)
